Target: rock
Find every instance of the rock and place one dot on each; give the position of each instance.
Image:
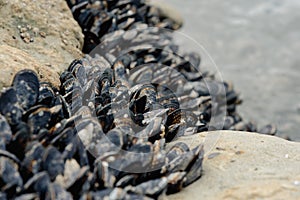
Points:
(12, 60)
(245, 165)
(165, 10)
(40, 28)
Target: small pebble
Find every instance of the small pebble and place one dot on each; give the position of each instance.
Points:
(26, 40)
(28, 27)
(25, 35)
(286, 156)
(23, 30)
(35, 30)
(42, 34)
(65, 42)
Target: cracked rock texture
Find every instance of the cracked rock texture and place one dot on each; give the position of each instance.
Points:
(241, 165)
(43, 30)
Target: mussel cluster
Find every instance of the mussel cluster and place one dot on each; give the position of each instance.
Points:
(106, 132)
(102, 23)
(52, 148)
(99, 17)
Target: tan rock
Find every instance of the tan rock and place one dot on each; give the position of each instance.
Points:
(12, 60)
(245, 165)
(166, 10)
(39, 28)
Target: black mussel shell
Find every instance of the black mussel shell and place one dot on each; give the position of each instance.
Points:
(27, 85)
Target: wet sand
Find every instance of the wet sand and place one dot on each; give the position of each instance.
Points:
(255, 44)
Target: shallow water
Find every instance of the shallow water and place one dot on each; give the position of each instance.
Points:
(255, 44)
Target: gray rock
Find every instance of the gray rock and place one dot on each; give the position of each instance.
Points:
(241, 165)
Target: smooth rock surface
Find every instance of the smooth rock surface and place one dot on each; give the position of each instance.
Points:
(13, 60)
(44, 29)
(241, 165)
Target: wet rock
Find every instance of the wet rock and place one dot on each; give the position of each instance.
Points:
(39, 29)
(246, 166)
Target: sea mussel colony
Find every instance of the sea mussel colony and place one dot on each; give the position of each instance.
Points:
(99, 17)
(106, 132)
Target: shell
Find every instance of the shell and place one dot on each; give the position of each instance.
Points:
(5, 132)
(52, 162)
(27, 85)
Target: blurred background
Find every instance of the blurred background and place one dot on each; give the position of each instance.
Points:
(256, 45)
